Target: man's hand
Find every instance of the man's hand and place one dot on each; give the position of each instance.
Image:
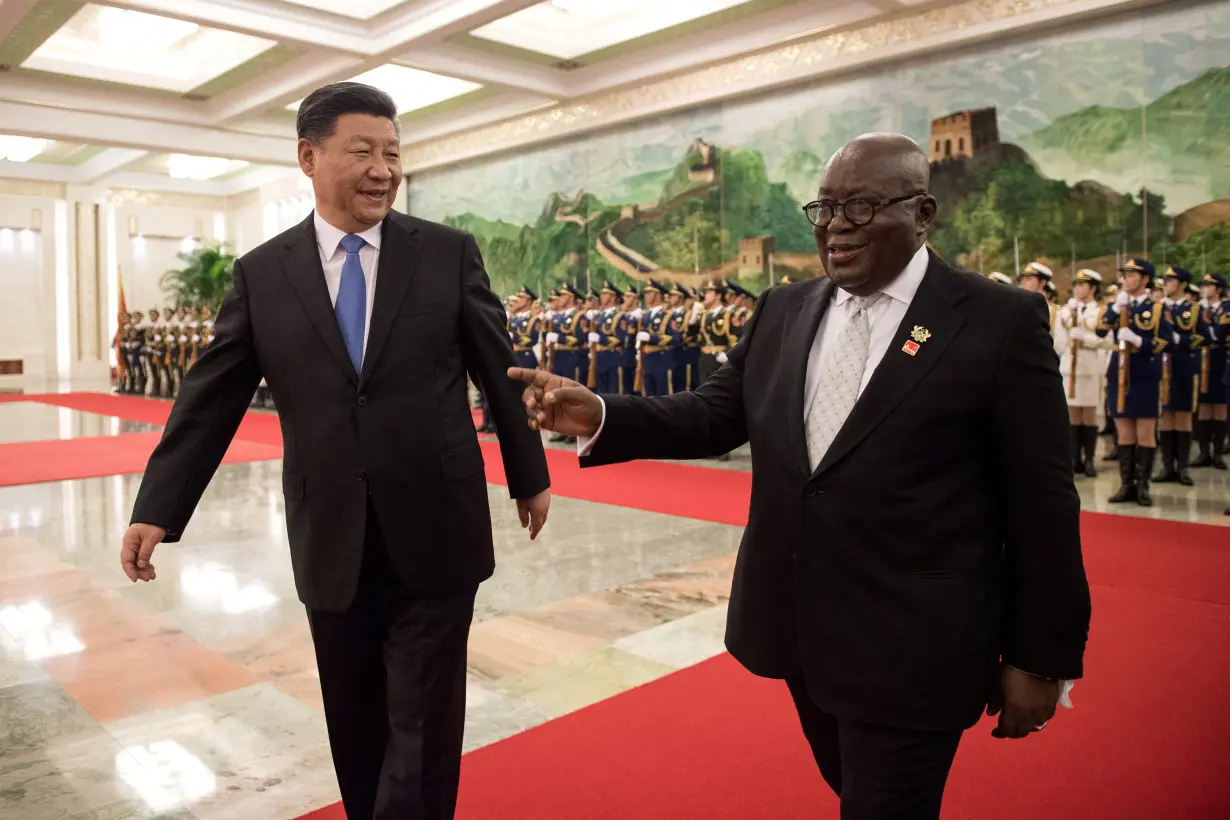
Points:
(558, 404)
(1023, 702)
(533, 512)
(137, 549)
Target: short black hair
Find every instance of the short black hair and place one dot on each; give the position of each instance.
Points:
(320, 110)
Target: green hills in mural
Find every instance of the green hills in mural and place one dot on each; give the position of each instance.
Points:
(1185, 135)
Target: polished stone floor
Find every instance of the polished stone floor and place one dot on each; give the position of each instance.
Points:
(197, 696)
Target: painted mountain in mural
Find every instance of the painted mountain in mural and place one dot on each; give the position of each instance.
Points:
(1185, 134)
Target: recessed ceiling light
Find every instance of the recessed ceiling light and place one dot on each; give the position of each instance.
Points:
(21, 149)
(410, 88)
(185, 166)
(570, 28)
(131, 47)
(357, 9)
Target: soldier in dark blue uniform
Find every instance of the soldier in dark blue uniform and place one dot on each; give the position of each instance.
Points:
(610, 331)
(524, 328)
(629, 326)
(1180, 378)
(687, 345)
(1136, 323)
(1213, 326)
(656, 342)
(568, 341)
(742, 304)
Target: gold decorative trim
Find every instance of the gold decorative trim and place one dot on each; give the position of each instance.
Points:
(131, 196)
(33, 187)
(798, 61)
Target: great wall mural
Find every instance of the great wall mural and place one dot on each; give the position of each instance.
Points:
(1073, 148)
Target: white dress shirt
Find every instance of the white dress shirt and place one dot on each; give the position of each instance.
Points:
(333, 257)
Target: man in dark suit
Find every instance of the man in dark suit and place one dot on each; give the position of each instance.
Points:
(912, 553)
(364, 322)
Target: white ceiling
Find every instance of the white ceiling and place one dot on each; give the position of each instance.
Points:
(198, 95)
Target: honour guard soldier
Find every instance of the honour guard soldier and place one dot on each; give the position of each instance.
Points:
(150, 340)
(1180, 379)
(1134, 321)
(165, 348)
(629, 327)
(610, 332)
(1035, 278)
(1213, 327)
(687, 343)
(207, 327)
(567, 343)
(524, 328)
(1002, 278)
(717, 335)
(742, 305)
(1080, 362)
(1157, 291)
(179, 349)
(656, 343)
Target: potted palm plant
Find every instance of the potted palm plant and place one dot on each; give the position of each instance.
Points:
(204, 279)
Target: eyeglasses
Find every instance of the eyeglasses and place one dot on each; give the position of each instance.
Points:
(857, 211)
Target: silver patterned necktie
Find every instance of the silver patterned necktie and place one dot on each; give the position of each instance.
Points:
(838, 383)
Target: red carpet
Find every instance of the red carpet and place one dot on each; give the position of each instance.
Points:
(32, 462)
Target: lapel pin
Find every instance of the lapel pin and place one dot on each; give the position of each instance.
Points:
(917, 336)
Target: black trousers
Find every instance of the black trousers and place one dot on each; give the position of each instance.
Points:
(393, 677)
(879, 772)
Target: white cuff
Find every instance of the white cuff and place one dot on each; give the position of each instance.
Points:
(586, 443)
(1065, 686)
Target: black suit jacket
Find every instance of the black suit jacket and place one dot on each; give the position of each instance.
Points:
(940, 531)
(401, 429)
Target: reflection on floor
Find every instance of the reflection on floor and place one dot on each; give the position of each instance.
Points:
(197, 695)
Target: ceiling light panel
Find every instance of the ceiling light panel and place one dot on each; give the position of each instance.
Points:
(131, 47)
(410, 88)
(185, 166)
(570, 28)
(356, 9)
(21, 149)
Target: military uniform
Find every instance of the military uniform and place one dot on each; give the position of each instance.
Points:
(628, 330)
(1002, 278)
(1138, 326)
(525, 330)
(612, 328)
(1213, 326)
(687, 347)
(1180, 381)
(657, 340)
(717, 334)
(1082, 365)
(569, 341)
(740, 315)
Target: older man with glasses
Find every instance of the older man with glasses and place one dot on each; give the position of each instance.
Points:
(912, 554)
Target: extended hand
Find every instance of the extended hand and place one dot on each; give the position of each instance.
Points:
(1023, 702)
(533, 512)
(558, 404)
(137, 549)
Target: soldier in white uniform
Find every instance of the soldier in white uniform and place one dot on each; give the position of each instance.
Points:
(1082, 362)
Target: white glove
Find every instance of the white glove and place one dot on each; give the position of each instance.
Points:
(721, 357)
(636, 314)
(590, 314)
(643, 336)
(196, 338)
(552, 337)
(1073, 304)
(697, 310)
(1131, 337)
(594, 338)
(1077, 334)
(1122, 300)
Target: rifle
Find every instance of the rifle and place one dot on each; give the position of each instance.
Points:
(591, 380)
(1205, 352)
(1125, 352)
(1076, 346)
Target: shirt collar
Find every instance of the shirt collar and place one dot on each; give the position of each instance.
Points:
(905, 285)
(329, 237)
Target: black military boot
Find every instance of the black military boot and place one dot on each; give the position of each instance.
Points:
(1127, 475)
(1078, 461)
(1144, 468)
(1182, 454)
(1090, 434)
(1218, 432)
(1113, 453)
(1203, 436)
(1168, 474)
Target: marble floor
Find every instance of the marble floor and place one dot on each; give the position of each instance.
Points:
(197, 696)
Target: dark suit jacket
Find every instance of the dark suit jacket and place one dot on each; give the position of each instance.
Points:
(401, 429)
(939, 533)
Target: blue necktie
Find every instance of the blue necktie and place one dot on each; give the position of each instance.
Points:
(351, 305)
